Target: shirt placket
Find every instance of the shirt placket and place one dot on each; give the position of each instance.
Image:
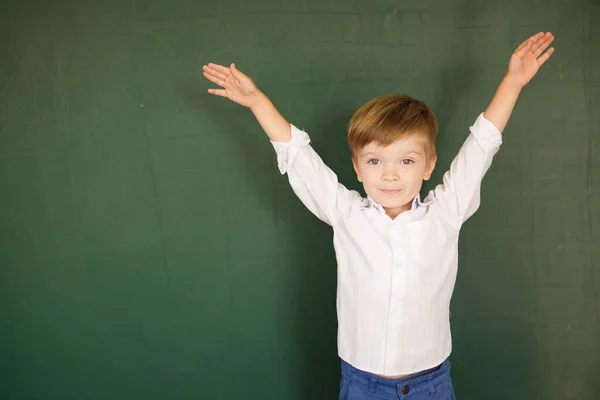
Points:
(397, 237)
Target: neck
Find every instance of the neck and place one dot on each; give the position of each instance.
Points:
(394, 212)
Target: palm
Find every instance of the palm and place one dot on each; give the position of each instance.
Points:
(236, 86)
(528, 58)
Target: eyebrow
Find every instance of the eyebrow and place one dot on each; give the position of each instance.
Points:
(370, 153)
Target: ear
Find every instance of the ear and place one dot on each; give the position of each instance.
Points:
(430, 167)
(358, 176)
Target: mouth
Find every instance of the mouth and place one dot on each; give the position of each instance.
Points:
(391, 191)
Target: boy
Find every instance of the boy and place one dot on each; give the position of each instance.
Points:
(396, 255)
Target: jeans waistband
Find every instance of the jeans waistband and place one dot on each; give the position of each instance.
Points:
(390, 386)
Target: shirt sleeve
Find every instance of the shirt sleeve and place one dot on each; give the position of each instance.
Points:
(315, 184)
(459, 194)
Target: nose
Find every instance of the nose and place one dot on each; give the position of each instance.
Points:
(390, 174)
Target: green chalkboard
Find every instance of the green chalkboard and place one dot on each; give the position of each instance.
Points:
(150, 249)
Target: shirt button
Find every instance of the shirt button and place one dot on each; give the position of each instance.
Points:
(405, 389)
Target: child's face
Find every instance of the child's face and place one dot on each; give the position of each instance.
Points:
(393, 175)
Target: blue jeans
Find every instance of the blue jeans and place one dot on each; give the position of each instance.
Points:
(431, 384)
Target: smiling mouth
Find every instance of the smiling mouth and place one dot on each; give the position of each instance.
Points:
(390, 191)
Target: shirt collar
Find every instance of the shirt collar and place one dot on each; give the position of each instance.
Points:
(370, 203)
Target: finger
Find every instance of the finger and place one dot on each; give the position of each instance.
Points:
(220, 68)
(236, 72)
(529, 40)
(525, 43)
(218, 92)
(546, 56)
(539, 43)
(543, 46)
(520, 52)
(215, 73)
(214, 79)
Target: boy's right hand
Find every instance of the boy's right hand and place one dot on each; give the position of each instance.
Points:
(236, 86)
(241, 89)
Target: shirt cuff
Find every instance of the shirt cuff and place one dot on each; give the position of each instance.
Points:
(486, 134)
(287, 151)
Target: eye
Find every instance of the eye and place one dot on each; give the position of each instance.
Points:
(374, 161)
(407, 161)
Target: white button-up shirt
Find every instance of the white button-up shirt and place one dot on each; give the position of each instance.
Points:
(395, 277)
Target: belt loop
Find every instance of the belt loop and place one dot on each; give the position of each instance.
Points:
(373, 384)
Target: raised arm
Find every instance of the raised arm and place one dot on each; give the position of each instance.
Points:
(524, 64)
(240, 89)
(315, 184)
(458, 196)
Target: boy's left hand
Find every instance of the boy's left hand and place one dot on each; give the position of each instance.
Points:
(528, 58)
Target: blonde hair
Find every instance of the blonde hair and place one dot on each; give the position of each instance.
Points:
(385, 119)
